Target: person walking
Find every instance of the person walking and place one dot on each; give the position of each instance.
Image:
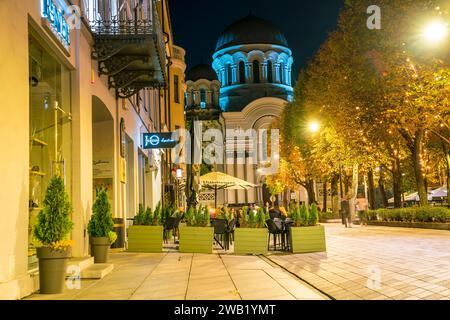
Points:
(362, 214)
(345, 212)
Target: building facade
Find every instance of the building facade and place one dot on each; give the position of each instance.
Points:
(253, 62)
(81, 84)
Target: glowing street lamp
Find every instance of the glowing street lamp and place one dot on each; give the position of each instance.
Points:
(314, 127)
(435, 32)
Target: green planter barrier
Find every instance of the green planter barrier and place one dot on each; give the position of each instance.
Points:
(308, 239)
(196, 240)
(146, 239)
(250, 241)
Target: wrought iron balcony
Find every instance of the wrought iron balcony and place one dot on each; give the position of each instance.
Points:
(129, 43)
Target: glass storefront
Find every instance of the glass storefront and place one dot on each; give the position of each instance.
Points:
(50, 130)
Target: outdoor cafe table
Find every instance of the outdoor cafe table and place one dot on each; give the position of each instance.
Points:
(285, 225)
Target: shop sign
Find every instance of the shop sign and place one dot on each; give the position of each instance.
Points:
(159, 141)
(55, 20)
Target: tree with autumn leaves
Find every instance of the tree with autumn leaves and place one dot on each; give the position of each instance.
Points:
(383, 100)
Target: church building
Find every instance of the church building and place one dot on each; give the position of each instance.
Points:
(252, 70)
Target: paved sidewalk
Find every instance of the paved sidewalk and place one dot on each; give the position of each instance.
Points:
(174, 276)
(377, 263)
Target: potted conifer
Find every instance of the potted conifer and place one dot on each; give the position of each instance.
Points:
(100, 228)
(53, 227)
(252, 236)
(146, 233)
(307, 236)
(197, 236)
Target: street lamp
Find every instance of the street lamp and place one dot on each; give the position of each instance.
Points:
(179, 177)
(435, 31)
(314, 127)
(179, 174)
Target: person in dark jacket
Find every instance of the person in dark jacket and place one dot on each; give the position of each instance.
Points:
(345, 212)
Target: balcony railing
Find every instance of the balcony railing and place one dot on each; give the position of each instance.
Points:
(120, 17)
(129, 42)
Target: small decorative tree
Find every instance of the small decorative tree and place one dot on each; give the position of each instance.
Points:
(295, 216)
(54, 223)
(313, 218)
(148, 217)
(304, 215)
(198, 217)
(139, 220)
(260, 219)
(101, 224)
(244, 217)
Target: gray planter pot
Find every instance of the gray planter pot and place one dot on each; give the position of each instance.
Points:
(100, 249)
(52, 269)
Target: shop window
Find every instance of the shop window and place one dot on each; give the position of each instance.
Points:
(50, 131)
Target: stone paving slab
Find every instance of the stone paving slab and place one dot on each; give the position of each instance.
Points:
(411, 264)
(175, 276)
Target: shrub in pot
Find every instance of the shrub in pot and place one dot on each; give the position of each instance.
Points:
(307, 235)
(100, 228)
(146, 233)
(53, 227)
(252, 236)
(197, 236)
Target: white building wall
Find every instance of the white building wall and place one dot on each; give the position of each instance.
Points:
(16, 19)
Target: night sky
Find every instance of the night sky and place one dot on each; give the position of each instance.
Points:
(197, 24)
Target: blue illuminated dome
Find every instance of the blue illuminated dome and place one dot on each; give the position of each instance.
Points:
(250, 30)
(252, 61)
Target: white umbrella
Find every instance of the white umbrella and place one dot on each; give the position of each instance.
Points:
(441, 192)
(221, 181)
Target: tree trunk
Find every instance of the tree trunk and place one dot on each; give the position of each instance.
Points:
(446, 150)
(310, 190)
(355, 185)
(325, 195)
(397, 183)
(335, 194)
(416, 151)
(346, 184)
(382, 189)
(371, 185)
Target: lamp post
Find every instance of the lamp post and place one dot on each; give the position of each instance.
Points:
(314, 127)
(435, 32)
(179, 177)
(194, 114)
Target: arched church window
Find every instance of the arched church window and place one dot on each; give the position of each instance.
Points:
(203, 98)
(192, 98)
(242, 72)
(229, 75)
(282, 72)
(256, 72)
(269, 71)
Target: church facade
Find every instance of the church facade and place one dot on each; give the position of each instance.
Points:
(251, 81)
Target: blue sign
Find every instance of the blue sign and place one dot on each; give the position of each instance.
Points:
(57, 21)
(159, 141)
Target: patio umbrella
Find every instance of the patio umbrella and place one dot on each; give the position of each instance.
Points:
(441, 192)
(221, 181)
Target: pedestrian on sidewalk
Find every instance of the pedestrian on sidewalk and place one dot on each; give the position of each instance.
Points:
(345, 211)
